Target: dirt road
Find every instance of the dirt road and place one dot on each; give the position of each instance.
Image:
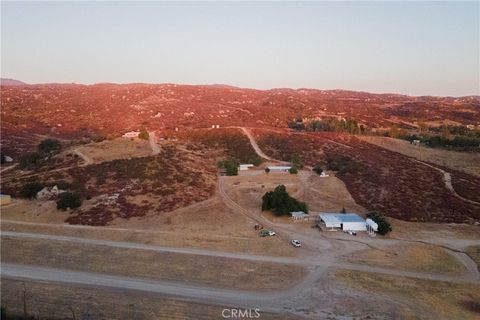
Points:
(153, 143)
(86, 160)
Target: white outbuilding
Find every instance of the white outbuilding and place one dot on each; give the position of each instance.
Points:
(344, 221)
(279, 168)
(131, 134)
(299, 216)
(243, 167)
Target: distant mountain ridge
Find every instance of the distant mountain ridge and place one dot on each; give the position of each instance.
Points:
(11, 82)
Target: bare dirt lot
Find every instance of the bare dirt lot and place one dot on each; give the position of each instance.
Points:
(468, 162)
(410, 257)
(193, 269)
(57, 301)
(428, 299)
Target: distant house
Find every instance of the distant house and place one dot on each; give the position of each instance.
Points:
(344, 221)
(243, 167)
(8, 159)
(131, 134)
(5, 199)
(299, 216)
(416, 142)
(274, 169)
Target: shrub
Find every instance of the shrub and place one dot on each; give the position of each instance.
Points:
(230, 165)
(49, 146)
(30, 189)
(30, 160)
(281, 203)
(318, 169)
(68, 200)
(293, 170)
(296, 160)
(340, 163)
(267, 170)
(143, 134)
(384, 226)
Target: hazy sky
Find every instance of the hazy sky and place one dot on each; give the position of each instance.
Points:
(416, 48)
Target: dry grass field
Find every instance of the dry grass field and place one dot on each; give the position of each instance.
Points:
(410, 257)
(119, 148)
(57, 301)
(208, 224)
(468, 162)
(217, 272)
(428, 299)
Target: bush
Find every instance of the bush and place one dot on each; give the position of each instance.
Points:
(293, 170)
(30, 160)
(281, 203)
(30, 190)
(49, 146)
(230, 165)
(267, 170)
(318, 169)
(296, 160)
(68, 200)
(340, 163)
(384, 226)
(143, 134)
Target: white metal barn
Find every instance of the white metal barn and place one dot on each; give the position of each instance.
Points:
(344, 221)
(245, 167)
(131, 134)
(279, 168)
(299, 216)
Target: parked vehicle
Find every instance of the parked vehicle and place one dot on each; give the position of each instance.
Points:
(296, 243)
(350, 232)
(258, 227)
(267, 233)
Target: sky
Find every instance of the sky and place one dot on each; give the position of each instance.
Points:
(417, 48)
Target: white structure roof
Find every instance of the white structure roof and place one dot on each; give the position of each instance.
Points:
(299, 214)
(372, 224)
(279, 167)
(336, 220)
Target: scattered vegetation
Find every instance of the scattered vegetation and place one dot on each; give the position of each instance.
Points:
(341, 163)
(30, 160)
(30, 190)
(281, 203)
(296, 160)
(384, 226)
(68, 200)
(332, 124)
(293, 170)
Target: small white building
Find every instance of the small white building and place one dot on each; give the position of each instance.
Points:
(344, 221)
(131, 134)
(279, 168)
(299, 216)
(244, 167)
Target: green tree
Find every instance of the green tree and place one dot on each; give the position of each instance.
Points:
(293, 170)
(343, 210)
(49, 146)
(68, 200)
(318, 169)
(296, 160)
(143, 134)
(281, 203)
(384, 226)
(230, 165)
(30, 160)
(30, 190)
(267, 170)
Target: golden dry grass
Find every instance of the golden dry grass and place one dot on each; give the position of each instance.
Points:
(54, 300)
(411, 257)
(463, 161)
(195, 269)
(434, 299)
(431, 230)
(119, 148)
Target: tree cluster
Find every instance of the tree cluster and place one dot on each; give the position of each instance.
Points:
(230, 165)
(384, 226)
(281, 203)
(68, 200)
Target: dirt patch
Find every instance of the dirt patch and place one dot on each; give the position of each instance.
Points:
(412, 257)
(433, 299)
(474, 253)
